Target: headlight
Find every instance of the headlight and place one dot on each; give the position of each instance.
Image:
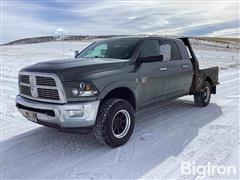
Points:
(80, 89)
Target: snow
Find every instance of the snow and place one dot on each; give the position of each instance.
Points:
(165, 134)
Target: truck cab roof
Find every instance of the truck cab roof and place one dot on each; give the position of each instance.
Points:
(141, 37)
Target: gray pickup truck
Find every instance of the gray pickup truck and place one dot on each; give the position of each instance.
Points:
(103, 87)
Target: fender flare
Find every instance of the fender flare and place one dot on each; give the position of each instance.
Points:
(120, 84)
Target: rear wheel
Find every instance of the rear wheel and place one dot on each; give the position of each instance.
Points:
(115, 122)
(202, 98)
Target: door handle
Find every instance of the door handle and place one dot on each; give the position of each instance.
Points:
(184, 66)
(163, 69)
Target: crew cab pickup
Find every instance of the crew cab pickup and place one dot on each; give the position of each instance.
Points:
(103, 86)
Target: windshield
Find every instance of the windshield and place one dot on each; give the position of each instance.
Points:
(117, 49)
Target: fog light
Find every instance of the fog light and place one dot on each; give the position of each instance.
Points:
(76, 113)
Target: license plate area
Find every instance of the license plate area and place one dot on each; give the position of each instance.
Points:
(32, 116)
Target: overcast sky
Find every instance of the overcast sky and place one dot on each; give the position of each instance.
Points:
(26, 18)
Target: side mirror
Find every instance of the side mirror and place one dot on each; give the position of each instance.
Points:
(150, 59)
(76, 53)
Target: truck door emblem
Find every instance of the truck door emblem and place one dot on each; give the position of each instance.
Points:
(144, 80)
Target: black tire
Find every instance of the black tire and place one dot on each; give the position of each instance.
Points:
(111, 114)
(202, 98)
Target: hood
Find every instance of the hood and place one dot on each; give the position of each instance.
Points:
(70, 69)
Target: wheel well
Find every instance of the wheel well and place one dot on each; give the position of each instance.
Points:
(208, 79)
(122, 93)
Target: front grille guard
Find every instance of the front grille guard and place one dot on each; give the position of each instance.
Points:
(59, 87)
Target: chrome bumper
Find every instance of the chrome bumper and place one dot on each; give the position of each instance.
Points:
(69, 115)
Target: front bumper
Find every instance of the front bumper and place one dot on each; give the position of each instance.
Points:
(61, 115)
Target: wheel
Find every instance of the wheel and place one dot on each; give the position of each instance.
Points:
(202, 98)
(115, 122)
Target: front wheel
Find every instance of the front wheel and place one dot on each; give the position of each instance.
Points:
(202, 98)
(115, 122)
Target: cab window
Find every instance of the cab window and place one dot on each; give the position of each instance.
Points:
(170, 50)
(150, 48)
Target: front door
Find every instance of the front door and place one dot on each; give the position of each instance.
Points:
(152, 77)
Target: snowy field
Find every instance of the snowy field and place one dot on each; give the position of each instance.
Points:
(165, 135)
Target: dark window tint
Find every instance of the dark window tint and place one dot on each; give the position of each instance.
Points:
(150, 48)
(175, 53)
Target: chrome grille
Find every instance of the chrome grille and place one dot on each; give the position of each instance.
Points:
(45, 81)
(25, 90)
(41, 86)
(48, 93)
(24, 78)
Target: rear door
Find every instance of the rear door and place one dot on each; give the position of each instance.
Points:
(151, 76)
(179, 69)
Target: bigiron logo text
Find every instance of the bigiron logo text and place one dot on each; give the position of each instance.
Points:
(210, 169)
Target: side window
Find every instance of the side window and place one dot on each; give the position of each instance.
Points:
(98, 51)
(165, 50)
(150, 48)
(169, 50)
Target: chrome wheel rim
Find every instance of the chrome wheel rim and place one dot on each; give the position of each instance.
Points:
(206, 94)
(121, 123)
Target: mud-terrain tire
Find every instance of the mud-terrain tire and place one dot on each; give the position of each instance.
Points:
(202, 98)
(115, 122)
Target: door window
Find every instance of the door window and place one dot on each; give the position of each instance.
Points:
(170, 51)
(150, 48)
(165, 50)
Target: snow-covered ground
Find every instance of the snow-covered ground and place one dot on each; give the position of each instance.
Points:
(165, 135)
